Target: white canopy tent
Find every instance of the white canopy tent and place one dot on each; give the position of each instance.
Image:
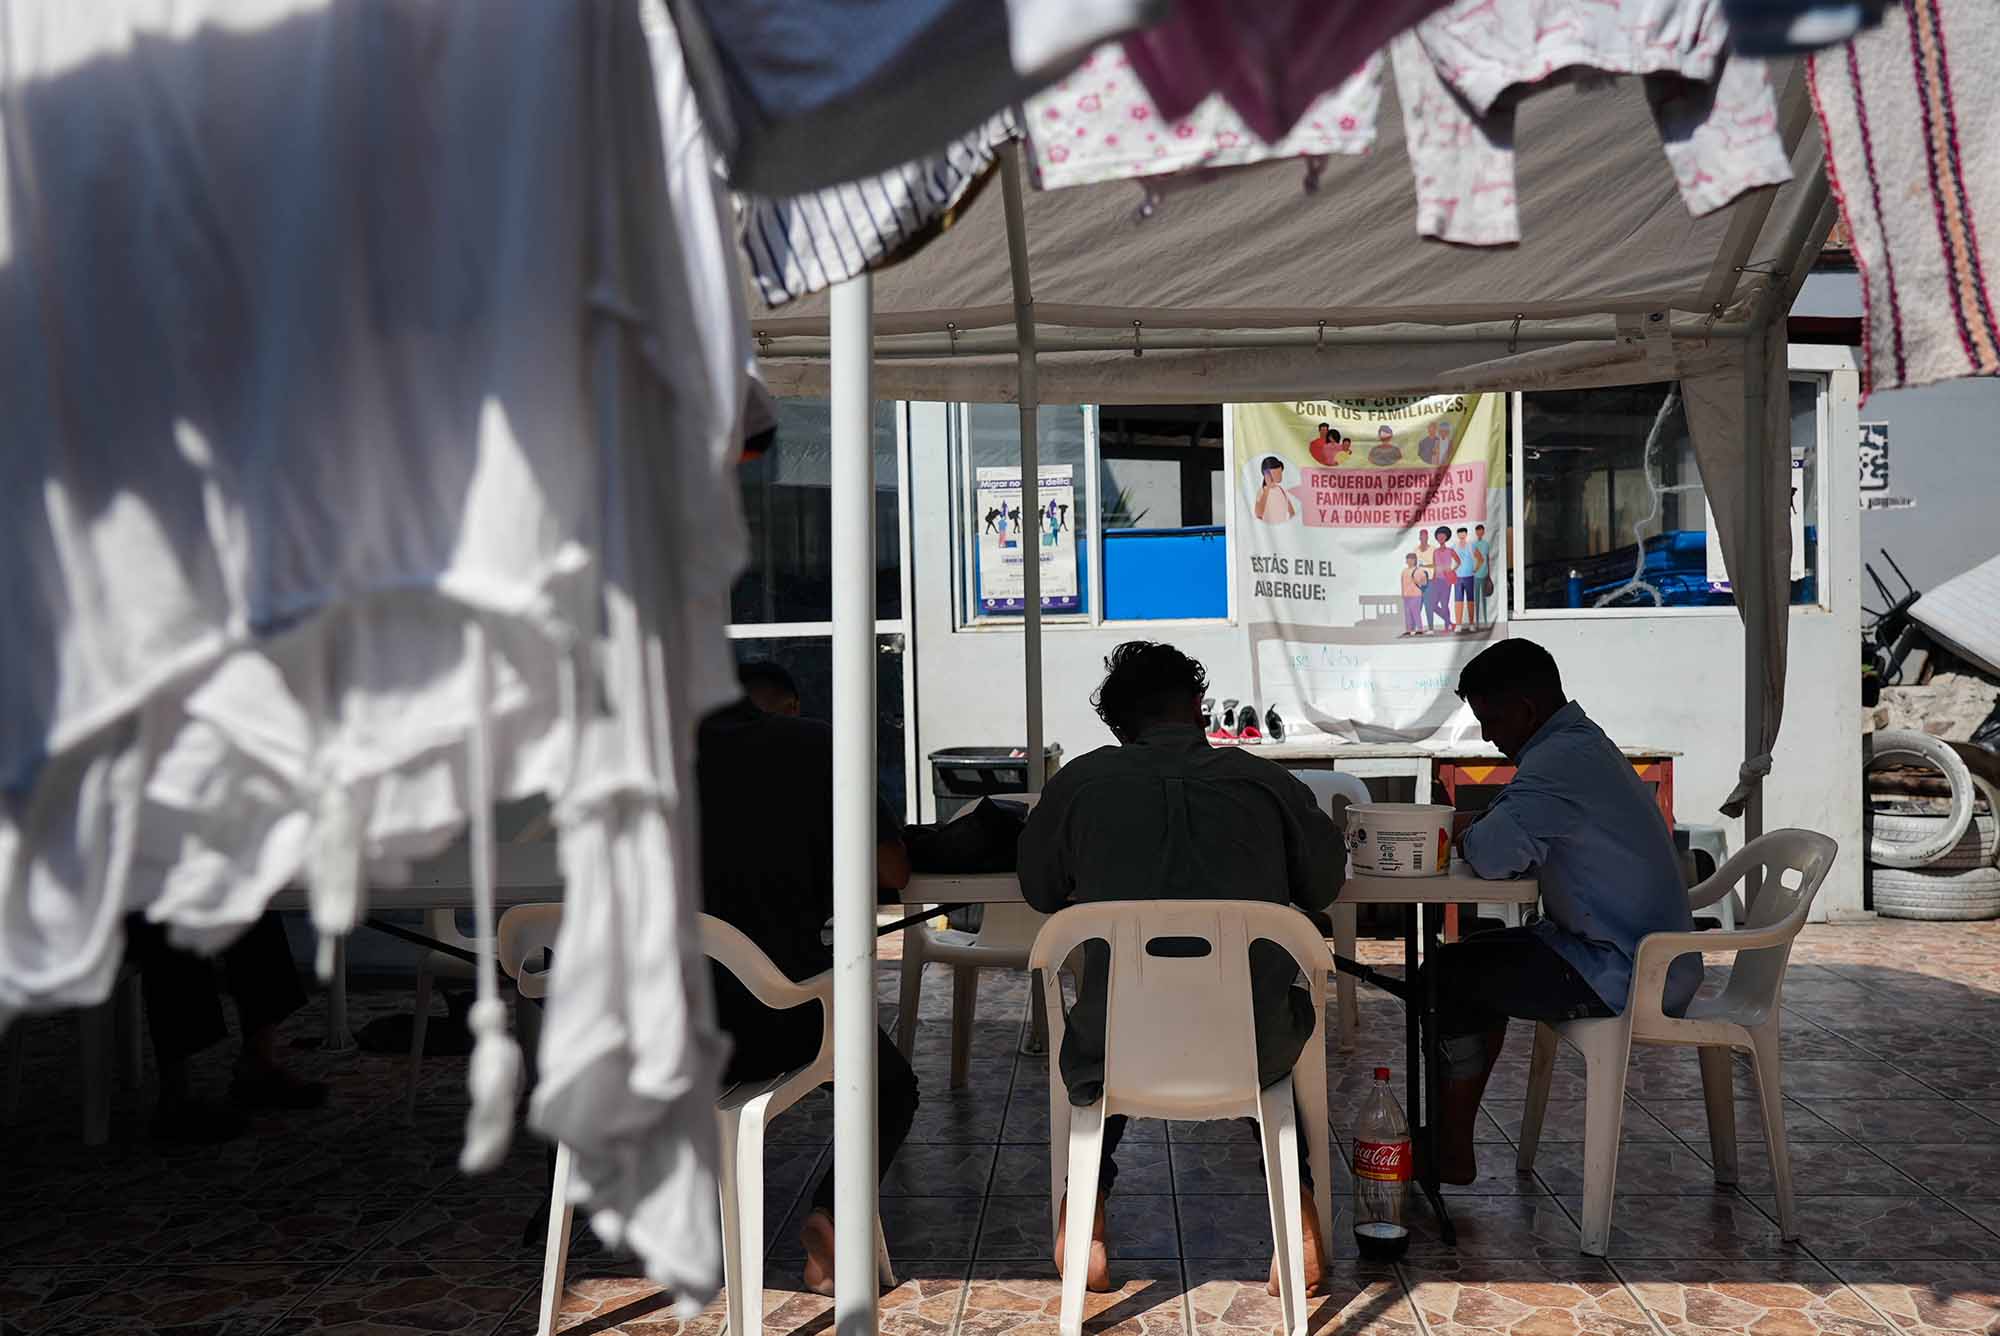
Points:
(1248, 288)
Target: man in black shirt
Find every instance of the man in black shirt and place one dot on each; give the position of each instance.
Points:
(1165, 816)
(766, 787)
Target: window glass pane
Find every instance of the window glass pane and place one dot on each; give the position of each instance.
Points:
(990, 528)
(1805, 490)
(787, 506)
(1596, 493)
(809, 659)
(1161, 474)
(1141, 493)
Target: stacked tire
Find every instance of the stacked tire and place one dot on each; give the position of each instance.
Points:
(1936, 866)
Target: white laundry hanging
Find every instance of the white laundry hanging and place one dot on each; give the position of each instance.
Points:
(372, 432)
(1717, 118)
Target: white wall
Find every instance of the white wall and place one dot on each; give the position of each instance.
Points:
(1674, 682)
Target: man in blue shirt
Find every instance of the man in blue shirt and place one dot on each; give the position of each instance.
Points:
(1578, 813)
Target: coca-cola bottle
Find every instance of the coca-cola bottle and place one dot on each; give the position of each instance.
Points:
(1381, 1173)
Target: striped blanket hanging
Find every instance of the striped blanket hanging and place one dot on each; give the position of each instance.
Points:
(1910, 114)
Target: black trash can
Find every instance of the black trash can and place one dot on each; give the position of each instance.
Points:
(961, 776)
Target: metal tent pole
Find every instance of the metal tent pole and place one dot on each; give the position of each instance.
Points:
(1031, 459)
(1753, 590)
(854, 786)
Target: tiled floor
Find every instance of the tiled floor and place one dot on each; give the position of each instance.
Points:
(354, 1220)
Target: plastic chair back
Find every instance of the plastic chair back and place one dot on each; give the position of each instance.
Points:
(1009, 929)
(1327, 785)
(1794, 864)
(522, 936)
(442, 925)
(1180, 1035)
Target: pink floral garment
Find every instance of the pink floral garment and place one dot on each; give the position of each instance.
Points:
(1100, 124)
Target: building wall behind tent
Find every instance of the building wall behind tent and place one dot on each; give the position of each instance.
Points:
(1933, 510)
(1673, 682)
(1943, 458)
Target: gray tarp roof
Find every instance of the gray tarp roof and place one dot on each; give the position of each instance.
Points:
(1605, 235)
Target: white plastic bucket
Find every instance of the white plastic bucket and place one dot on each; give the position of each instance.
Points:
(1399, 839)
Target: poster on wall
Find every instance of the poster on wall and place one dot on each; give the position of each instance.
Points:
(1006, 537)
(1718, 570)
(1874, 457)
(1372, 559)
(1875, 471)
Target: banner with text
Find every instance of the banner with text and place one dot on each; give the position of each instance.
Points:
(1371, 558)
(1005, 537)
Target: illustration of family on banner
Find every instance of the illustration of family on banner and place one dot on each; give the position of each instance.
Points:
(1372, 558)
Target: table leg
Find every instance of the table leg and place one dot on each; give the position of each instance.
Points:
(1433, 1057)
(1412, 1029)
(1038, 1022)
(339, 1039)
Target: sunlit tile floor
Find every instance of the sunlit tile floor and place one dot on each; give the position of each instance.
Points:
(354, 1219)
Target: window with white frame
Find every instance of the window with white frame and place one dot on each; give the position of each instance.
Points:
(1131, 523)
(1610, 513)
(782, 607)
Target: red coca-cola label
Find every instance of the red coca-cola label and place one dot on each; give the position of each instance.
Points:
(1383, 1161)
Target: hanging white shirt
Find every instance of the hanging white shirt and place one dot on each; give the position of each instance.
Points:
(372, 372)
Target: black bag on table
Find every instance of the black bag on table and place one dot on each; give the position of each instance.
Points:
(978, 838)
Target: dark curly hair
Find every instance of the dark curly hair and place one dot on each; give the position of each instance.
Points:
(1144, 681)
(1511, 667)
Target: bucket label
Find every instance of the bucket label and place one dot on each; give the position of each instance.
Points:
(1398, 850)
(1382, 1161)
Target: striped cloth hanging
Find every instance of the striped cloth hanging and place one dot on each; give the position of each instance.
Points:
(803, 243)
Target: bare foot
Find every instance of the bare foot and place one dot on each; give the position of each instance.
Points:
(1097, 1276)
(816, 1236)
(1315, 1259)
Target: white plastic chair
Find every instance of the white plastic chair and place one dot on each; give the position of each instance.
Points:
(1180, 1043)
(1712, 842)
(742, 1112)
(521, 941)
(1791, 864)
(1327, 785)
(1006, 933)
(439, 925)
